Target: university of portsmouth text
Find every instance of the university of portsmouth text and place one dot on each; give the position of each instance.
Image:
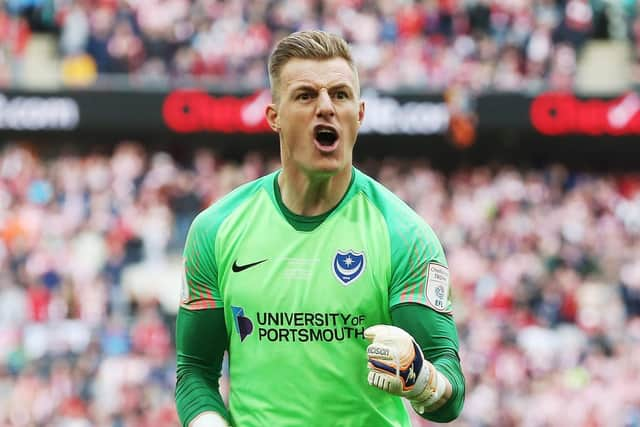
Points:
(309, 327)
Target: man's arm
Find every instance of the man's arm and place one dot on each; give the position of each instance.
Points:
(201, 339)
(436, 335)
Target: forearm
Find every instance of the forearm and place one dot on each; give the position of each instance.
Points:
(451, 406)
(436, 334)
(197, 391)
(200, 343)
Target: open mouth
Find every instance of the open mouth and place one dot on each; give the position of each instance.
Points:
(325, 135)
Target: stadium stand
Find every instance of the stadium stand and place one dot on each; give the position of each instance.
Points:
(507, 45)
(545, 257)
(544, 262)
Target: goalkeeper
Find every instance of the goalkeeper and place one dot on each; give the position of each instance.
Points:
(331, 295)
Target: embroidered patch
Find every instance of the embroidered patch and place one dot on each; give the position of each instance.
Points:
(437, 288)
(348, 266)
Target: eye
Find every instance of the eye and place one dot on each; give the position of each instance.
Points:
(303, 96)
(341, 94)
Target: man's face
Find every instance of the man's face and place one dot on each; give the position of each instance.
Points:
(318, 115)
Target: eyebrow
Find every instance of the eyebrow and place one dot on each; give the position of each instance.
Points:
(303, 86)
(341, 86)
(307, 86)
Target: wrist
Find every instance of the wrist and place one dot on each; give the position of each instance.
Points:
(209, 419)
(436, 392)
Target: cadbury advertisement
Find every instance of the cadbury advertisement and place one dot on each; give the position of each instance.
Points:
(185, 112)
(193, 111)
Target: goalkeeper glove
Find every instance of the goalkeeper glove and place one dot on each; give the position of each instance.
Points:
(209, 419)
(397, 366)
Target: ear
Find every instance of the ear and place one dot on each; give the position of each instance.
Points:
(360, 113)
(272, 117)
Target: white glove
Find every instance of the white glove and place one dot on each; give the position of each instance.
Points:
(209, 419)
(397, 366)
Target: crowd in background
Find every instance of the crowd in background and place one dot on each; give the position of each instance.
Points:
(545, 263)
(545, 272)
(502, 44)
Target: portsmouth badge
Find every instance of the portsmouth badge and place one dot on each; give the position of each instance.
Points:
(348, 266)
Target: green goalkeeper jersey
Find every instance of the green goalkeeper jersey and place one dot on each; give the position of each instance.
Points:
(298, 293)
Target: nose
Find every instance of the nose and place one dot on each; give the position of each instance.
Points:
(325, 108)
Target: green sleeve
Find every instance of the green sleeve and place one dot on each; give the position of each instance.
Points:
(436, 334)
(419, 271)
(418, 266)
(201, 339)
(200, 271)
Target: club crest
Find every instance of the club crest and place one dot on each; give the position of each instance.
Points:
(348, 266)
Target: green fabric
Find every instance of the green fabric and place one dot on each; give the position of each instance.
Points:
(200, 279)
(294, 315)
(301, 222)
(201, 339)
(307, 325)
(415, 251)
(437, 336)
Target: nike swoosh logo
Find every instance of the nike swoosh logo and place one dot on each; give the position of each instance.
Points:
(238, 268)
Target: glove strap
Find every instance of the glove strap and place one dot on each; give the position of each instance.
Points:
(433, 392)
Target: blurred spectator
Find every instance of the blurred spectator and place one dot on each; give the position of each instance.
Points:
(14, 38)
(79, 70)
(630, 287)
(75, 29)
(544, 266)
(507, 45)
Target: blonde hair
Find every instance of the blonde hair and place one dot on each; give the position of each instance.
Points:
(312, 44)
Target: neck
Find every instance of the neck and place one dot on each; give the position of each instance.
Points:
(310, 195)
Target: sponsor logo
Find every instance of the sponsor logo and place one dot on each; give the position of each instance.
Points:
(378, 351)
(348, 266)
(32, 113)
(563, 114)
(236, 268)
(244, 325)
(306, 327)
(385, 115)
(411, 376)
(188, 111)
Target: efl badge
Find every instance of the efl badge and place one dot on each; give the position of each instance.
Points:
(347, 266)
(437, 289)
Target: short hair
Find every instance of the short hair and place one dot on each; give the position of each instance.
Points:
(312, 44)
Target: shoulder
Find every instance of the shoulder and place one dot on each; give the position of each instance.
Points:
(409, 233)
(209, 220)
(395, 211)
